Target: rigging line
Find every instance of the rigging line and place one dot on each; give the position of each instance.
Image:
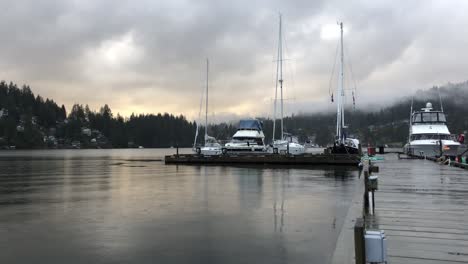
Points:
(290, 68)
(199, 116)
(332, 73)
(354, 89)
(440, 100)
(351, 68)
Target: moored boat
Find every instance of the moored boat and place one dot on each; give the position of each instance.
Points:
(343, 144)
(429, 134)
(211, 145)
(287, 144)
(249, 138)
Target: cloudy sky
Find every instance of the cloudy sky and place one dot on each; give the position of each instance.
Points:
(147, 56)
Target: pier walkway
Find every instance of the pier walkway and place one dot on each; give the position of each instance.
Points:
(423, 208)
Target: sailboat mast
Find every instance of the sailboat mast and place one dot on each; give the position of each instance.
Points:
(410, 119)
(340, 93)
(276, 82)
(281, 73)
(206, 102)
(342, 79)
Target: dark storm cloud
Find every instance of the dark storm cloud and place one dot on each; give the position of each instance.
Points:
(148, 56)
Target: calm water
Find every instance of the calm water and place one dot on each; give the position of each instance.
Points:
(125, 206)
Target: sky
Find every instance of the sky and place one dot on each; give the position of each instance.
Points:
(145, 56)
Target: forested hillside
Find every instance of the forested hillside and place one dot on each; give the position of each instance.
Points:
(29, 121)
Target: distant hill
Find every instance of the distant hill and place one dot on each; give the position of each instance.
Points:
(29, 121)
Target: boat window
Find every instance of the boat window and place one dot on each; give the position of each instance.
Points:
(245, 140)
(430, 136)
(429, 117)
(250, 125)
(442, 117)
(417, 118)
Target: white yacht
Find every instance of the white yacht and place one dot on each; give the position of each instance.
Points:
(286, 144)
(211, 146)
(344, 144)
(249, 138)
(429, 135)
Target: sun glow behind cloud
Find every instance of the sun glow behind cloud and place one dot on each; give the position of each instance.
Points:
(331, 31)
(117, 54)
(148, 56)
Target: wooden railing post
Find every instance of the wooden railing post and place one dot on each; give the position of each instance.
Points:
(366, 170)
(359, 242)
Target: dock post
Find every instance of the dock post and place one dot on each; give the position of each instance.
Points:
(373, 202)
(359, 242)
(366, 185)
(366, 201)
(177, 150)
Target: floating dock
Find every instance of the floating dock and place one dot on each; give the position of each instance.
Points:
(266, 159)
(422, 207)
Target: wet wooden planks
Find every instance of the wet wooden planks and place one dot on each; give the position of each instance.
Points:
(423, 208)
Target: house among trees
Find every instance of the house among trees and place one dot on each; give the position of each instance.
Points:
(3, 112)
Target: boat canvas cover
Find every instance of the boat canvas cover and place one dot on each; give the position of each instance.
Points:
(247, 134)
(250, 125)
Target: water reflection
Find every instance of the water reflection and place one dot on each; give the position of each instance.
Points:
(112, 206)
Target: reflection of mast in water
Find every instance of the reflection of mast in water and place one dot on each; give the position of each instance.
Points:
(282, 205)
(250, 188)
(284, 174)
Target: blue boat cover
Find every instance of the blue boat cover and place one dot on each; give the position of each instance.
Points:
(251, 124)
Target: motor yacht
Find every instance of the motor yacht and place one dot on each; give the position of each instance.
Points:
(429, 134)
(249, 138)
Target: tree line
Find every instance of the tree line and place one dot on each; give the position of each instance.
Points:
(29, 121)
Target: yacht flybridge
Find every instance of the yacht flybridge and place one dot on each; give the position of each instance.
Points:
(429, 135)
(211, 146)
(286, 144)
(343, 144)
(248, 138)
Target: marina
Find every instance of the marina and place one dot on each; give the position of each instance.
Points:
(222, 132)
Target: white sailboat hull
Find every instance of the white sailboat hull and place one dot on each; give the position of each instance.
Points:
(211, 151)
(285, 147)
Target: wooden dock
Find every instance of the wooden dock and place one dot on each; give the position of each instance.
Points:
(423, 208)
(440, 161)
(265, 159)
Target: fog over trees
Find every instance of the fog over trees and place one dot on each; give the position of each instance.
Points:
(29, 121)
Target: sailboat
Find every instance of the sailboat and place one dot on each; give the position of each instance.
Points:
(287, 144)
(211, 146)
(343, 144)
